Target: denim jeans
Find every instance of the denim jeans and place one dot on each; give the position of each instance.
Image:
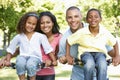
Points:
(77, 73)
(92, 61)
(29, 64)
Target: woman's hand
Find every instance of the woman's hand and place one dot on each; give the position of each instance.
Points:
(48, 63)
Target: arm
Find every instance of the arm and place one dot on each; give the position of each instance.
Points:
(61, 54)
(7, 58)
(16, 53)
(111, 53)
(52, 56)
(116, 57)
(56, 51)
(2, 62)
(68, 56)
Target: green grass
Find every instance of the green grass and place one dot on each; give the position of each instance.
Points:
(63, 72)
(10, 74)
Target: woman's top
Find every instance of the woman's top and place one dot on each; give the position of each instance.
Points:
(54, 44)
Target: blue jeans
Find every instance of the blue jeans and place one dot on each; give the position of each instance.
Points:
(92, 61)
(29, 64)
(77, 73)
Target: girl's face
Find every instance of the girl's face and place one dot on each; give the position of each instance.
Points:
(31, 24)
(93, 19)
(46, 24)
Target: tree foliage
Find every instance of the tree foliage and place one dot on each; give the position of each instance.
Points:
(9, 18)
(11, 10)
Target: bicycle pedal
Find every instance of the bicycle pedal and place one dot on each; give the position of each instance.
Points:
(13, 65)
(77, 62)
(109, 61)
(42, 65)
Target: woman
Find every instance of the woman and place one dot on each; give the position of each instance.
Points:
(49, 27)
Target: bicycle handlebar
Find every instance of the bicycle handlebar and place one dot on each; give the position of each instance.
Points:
(79, 62)
(41, 66)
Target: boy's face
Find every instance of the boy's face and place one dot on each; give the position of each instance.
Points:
(30, 24)
(94, 19)
(73, 17)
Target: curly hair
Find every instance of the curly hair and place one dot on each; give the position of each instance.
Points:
(22, 22)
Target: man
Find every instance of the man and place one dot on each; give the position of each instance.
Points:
(74, 20)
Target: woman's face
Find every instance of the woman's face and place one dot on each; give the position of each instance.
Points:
(46, 24)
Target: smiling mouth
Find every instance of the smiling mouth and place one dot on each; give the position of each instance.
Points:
(45, 29)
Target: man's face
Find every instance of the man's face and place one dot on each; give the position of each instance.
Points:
(73, 17)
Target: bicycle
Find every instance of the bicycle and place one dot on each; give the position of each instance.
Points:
(79, 62)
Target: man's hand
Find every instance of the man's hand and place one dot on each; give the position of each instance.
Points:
(63, 59)
(70, 60)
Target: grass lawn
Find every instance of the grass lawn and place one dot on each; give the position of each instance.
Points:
(62, 73)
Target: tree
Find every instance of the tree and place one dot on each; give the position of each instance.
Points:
(9, 15)
(8, 20)
(113, 13)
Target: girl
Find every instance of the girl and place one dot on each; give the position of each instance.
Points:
(29, 41)
(92, 42)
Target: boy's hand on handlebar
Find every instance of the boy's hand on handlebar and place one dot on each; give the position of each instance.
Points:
(70, 60)
(116, 60)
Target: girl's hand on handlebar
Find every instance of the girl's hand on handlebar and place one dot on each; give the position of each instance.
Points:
(48, 63)
(54, 63)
